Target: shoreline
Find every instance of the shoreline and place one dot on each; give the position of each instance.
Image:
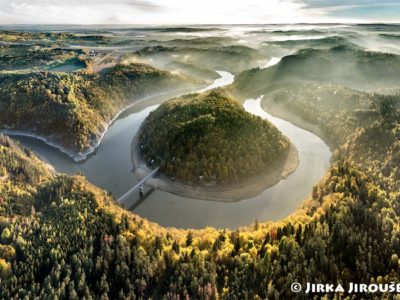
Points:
(279, 112)
(246, 188)
(69, 152)
(81, 156)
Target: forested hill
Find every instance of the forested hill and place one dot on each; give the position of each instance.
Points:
(210, 53)
(77, 243)
(20, 173)
(73, 109)
(211, 138)
(347, 65)
(63, 238)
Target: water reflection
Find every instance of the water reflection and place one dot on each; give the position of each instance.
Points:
(111, 169)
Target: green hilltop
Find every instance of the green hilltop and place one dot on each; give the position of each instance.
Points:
(75, 108)
(209, 136)
(61, 237)
(347, 65)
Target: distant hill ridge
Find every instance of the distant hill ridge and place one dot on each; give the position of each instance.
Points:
(347, 65)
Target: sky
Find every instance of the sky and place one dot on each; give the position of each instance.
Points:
(197, 12)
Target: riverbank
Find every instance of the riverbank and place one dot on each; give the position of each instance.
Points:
(246, 188)
(81, 156)
(114, 173)
(278, 111)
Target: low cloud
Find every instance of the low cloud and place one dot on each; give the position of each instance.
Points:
(344, 3)
(355, 10)
(199, 12)
(146, 5)
(143, 5)
(73, 11)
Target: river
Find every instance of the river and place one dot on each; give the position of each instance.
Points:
(110, 168)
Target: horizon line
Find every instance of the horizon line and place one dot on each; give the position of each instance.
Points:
(200, 24)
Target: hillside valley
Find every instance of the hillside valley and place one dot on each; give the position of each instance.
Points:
(207, 104)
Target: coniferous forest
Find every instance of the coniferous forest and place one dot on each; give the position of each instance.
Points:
(209, 136)
(63, 237)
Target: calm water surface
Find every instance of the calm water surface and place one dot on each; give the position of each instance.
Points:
(110, 168)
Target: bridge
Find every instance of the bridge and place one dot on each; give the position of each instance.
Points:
(138, 187)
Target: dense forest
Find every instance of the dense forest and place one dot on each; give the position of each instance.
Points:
(49, 37)
(19, 57)
(192, 69)
(209, 137)
(75, 242)
(75, 108)
(68, 95)
(205, 52)
(343, 64)
(63, 238)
